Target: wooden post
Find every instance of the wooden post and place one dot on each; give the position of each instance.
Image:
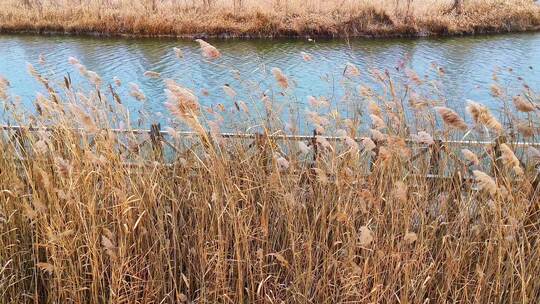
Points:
(264, 159)
(374, 155)
(156, 139)
(315, 146)
(434, 165)
(497, 164)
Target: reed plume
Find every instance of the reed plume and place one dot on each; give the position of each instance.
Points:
(321, 140)
(306, 56)
(152, 74)
(374, 109)
(281, 79)
(451, 118)
(243, 106)
(509, 159)
(366, 236)
(82, 69)
(178, 53)
(172, 132)
(523, 105)
(93, 77)
(4, 85)
(73, 60)
(317, 102)
(317, 119)
(377, 122)
(423, 137)
(229, 91)
(83, 118)
(481, 115)
(208, 50)
(117, 81)
(485, 182)
(282, 163)
(400, 192)
(181, 101)
(351, 70)
(496, 91)
(368, 144)
(351, 144)
(304, 149)
(378, 135)
(136, 92)
(525, 130)
(470, 157)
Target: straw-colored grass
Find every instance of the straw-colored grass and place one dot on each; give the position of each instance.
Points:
(88, 215)
(268, 18)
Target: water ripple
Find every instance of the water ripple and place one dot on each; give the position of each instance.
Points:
(469, 63)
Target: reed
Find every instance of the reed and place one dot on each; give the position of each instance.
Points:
(272, 18)
(90, 215)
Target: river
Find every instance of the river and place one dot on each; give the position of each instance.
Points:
(468, 62)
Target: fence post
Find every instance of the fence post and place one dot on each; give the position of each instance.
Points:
(156, 139)
(434, 166)
(315, 146)
(265, 160)
(497, 162)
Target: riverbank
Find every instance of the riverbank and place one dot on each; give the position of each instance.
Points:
(277, 19)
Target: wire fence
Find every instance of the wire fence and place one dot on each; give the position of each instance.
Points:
(441, 158)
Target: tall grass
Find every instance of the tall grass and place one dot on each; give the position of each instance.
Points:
(250, 18)
(89, 215)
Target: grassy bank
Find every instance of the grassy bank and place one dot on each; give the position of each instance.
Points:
(250, 18)
(88, 215)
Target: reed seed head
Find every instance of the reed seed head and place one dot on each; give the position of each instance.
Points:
(451, 118)
(208, 50)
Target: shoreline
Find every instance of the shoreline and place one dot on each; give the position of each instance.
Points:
(360, 21)
(232, 35)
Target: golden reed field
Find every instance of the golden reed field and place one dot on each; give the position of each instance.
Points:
(268, 18)
(396, 198)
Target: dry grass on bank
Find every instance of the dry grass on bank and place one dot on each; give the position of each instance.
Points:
(268, 18)
(92, 216)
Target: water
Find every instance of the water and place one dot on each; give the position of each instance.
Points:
(469, 63)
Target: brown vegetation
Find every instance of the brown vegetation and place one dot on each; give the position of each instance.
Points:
(268, 18)
(90, 215)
